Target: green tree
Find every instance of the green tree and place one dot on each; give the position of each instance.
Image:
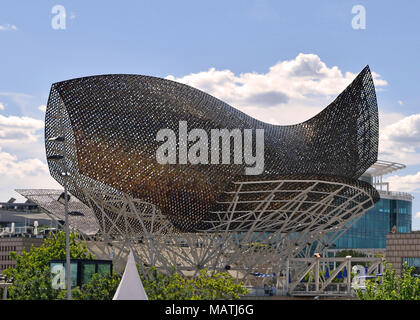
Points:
(213, 285)
(159, 286)
(100, 287)
(32, 276)
(208, 285)
(392, 286)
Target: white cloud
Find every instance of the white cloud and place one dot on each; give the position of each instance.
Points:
(23, 122)
(407, 183)
(11, 167)
(22, 136)
(8, 27)
(15, 130)
(20, 164)
(291, 91)
(23, 100)
(2, 106)
(400, 141)
(42, 108)
(406, 130)
(388, 118)
(26, 173)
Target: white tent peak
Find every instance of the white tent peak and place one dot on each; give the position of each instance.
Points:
(130, 287)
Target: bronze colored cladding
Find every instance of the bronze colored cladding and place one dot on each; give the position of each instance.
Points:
(110, 123)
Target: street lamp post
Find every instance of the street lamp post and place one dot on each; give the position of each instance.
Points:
(66, 215)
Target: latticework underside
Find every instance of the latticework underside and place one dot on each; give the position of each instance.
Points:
(110, 124)
(260, 239)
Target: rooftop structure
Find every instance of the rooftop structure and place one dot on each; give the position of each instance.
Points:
(382, 167)
(12, 205)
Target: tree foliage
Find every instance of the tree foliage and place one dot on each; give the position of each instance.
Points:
(32, 276)
(208, 285)
(392, 286)
(100, 287)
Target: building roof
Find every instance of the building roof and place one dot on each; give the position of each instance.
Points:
(382, 167)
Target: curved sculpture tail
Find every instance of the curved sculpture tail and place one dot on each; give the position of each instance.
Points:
(342, 139)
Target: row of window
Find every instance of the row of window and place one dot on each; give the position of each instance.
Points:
(5, 258)
(5, 266)
(7, 248)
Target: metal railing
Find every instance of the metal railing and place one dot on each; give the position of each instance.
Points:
(396, 194)
(310, 277)
(7, 231)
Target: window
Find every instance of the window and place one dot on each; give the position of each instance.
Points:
(76, 213)
(88, 269)
(413, 262)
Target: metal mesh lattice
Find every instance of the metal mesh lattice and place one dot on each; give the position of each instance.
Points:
(110, 124)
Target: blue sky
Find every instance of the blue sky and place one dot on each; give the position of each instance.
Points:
(186, 39)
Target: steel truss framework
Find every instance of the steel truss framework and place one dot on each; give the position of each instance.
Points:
(263, 238)
(317, 283)
(196, 216)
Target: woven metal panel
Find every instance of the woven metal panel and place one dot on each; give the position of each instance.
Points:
(47, 199)
(110, 124)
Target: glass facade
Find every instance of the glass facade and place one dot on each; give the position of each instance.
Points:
(413, 262)
(81, 271)
(369, 232)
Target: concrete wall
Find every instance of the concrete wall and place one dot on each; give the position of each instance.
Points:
(402, 245)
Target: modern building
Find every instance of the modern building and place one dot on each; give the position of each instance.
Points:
(102, 142)
(22, 225)
(392, 212)
(20, 218)
(15, 244)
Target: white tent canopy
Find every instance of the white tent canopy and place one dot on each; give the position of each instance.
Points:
(130, 287)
